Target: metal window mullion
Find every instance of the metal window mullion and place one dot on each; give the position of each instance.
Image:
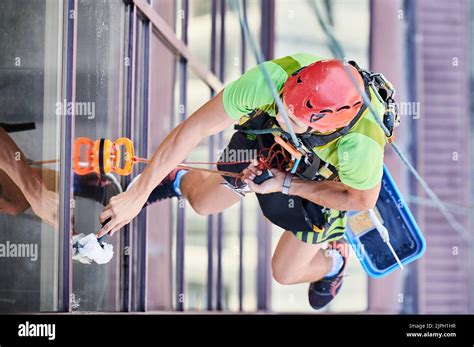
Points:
(143, 148)
(168, 37)
(180, 235)
(264, 229)
(412, 278)
(243, 57)
(147, 31)
(67, 134)
(212, 144)
(129, 117)
(241, 255)
(267, 34)
(134, 264)
(220, 143)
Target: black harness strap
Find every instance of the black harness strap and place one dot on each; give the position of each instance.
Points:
(311, 171)
(16, 127)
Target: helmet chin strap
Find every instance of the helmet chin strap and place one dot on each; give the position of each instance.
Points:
(313, 131)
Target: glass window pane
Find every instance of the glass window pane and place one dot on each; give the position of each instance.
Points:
(100, 74)
(30, 70)
(161, 215)
(196, 225)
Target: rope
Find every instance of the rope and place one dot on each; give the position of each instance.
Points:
(454, 208)
(338, 52)
(257, 51)
(42, 162)
(183, 165)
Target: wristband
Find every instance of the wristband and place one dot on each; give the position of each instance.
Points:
(286, 184)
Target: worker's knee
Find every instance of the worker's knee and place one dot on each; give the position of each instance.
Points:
(200, 207)
(283, 274)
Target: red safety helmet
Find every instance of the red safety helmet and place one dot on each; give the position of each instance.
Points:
(323, 96)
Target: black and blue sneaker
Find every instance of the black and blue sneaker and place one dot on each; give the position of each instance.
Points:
(322, 292)
(168, 188)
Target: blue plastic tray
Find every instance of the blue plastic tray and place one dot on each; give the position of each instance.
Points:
(405, 235)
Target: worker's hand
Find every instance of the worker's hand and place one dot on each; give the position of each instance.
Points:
(251, 171)
(272, 185)
(121, 210)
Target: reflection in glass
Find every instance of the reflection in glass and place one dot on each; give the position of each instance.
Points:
(29, 68)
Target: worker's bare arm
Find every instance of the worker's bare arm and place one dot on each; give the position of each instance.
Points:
(329, 194)
(209, 119)
(335, 194)
(13, 162)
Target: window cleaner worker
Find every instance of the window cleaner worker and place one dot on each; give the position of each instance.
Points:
(328, 115)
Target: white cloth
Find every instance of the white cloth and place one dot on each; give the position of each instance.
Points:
(87, 249)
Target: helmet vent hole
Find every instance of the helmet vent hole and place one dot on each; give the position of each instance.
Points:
(357, 104)
(299, 80)
(326, 111)
(308, 104)
(345, 107)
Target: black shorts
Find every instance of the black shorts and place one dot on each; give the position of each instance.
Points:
(293, 213)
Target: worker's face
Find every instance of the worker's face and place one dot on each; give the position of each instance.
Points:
(298, 126)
